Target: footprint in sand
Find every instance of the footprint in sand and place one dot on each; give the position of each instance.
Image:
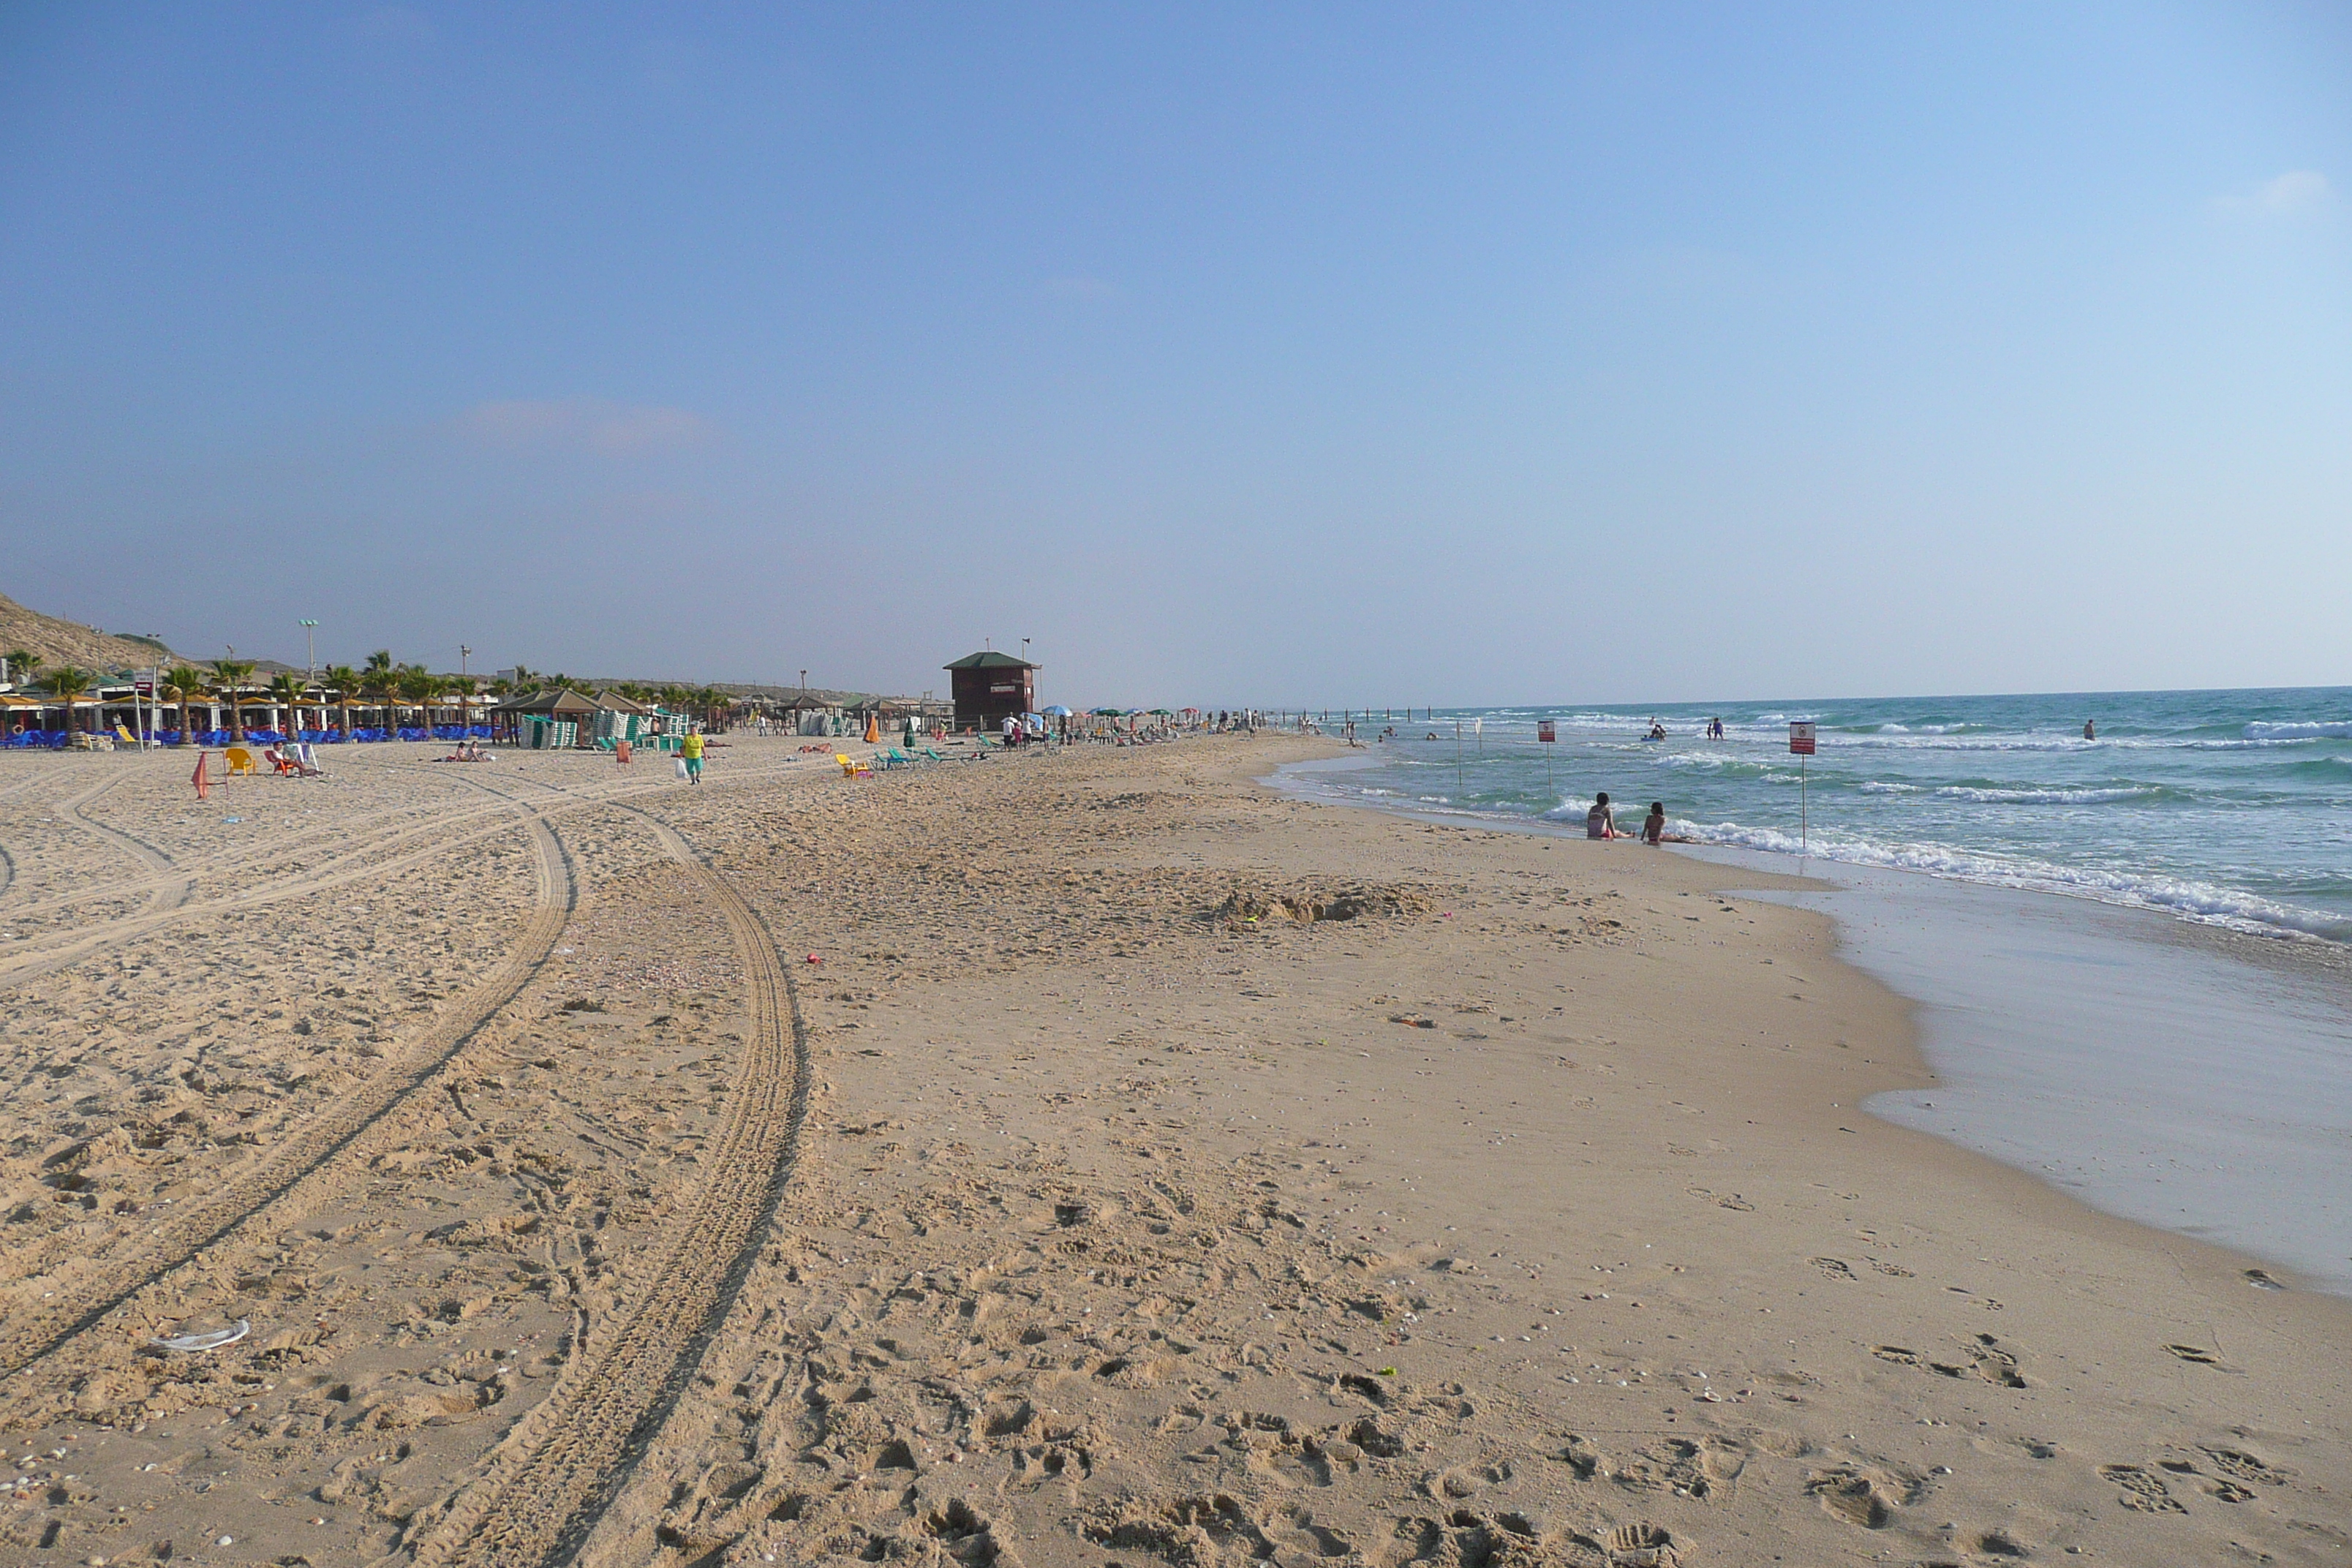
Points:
(2239, 1464)
(2142, 1490)
(1985, 1359)
(1834, 1268)
(1848, 1495)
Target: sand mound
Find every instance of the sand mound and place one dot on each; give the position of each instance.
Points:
(64, 642)
(1309, 902)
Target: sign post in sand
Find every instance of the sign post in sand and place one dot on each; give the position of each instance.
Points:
(1801, 746)
(1545, 736)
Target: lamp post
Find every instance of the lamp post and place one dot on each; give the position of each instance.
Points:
(309, 649)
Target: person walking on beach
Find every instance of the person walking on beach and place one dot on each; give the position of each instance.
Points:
(1601, 822)
(1654, 827)
(690, 749)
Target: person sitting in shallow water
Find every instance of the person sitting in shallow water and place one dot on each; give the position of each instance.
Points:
(1654, 827)
(1601, 822)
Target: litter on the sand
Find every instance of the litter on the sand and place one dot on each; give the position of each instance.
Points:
(206, 1341)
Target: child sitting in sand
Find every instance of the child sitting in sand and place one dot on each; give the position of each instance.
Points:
(1601, 822)
(1654, 827)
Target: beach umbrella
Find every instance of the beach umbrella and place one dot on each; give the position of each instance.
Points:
(1109, 713)
(1058, 711)
(1162, 713)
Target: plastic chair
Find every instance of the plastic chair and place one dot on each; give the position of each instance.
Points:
(240, 761)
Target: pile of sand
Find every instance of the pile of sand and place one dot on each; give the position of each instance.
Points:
(57, 642)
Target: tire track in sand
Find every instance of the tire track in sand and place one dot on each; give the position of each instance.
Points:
(557, 1473)
(354, 861)
(40, 955)
(260, 1185)
(170, 884)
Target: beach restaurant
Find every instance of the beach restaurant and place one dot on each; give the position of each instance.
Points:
(990, 687)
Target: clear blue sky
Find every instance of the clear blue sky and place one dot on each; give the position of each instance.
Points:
(1317, 354)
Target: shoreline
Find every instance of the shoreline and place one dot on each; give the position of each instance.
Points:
(2054, 879)
(1185, 1176)
(1996, 1036)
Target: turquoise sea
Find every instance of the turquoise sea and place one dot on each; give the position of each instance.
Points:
(2231, 808)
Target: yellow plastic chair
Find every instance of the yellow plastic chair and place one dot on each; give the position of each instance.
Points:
(849, 770)
(240, 761)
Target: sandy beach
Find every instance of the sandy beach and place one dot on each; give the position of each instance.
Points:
(1086, 1158)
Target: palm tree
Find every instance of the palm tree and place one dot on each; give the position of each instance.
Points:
(184, 684)
(418, 688)
(378, 685)
(22, 665)
(287, 692)
(464, 689)
(343, 679)
(65, 683)
(232, 674)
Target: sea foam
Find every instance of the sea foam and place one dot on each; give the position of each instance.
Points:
(2316, 729)
(2189, 899)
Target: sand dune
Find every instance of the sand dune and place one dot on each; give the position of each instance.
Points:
(1083, 1158)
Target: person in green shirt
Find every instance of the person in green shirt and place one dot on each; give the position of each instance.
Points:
(691, 750)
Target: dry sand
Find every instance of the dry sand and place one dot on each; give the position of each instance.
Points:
(1080, 1202)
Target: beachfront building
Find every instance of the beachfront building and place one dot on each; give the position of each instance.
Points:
(990, 687)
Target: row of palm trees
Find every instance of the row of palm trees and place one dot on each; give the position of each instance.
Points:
(378, 683)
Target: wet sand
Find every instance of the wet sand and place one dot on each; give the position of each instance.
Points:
(1079, 1203)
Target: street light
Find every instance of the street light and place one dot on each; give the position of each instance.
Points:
(311, 648)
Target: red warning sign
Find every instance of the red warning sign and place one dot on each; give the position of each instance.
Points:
(1801, 740)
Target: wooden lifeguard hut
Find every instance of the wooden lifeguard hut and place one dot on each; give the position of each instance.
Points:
(991, 687)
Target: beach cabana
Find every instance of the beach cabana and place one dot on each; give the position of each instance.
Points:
(619, 718)
(807, 713)
(551, 719)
